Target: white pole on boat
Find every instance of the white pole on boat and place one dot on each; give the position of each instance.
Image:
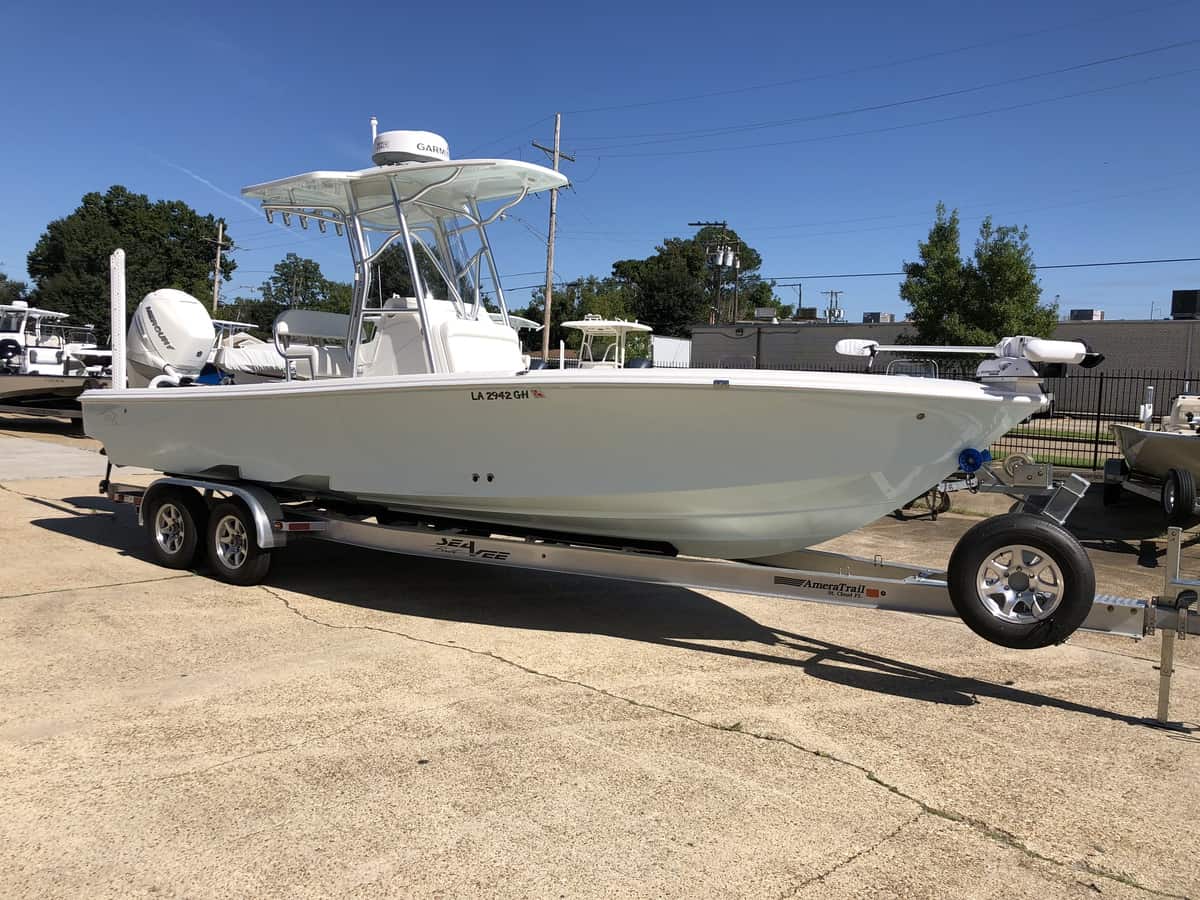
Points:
(116, 316)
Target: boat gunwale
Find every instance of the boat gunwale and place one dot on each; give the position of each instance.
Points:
(547, 379)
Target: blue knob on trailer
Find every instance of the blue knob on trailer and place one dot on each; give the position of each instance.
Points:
(972, 460)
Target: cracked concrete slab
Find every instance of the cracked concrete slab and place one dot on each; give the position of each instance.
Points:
(370, 725)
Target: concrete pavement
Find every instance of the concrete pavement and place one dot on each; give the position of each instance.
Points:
(369, 725)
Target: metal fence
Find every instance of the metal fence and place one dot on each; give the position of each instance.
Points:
(1074, 431)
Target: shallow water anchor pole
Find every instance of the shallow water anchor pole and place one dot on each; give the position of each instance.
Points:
(116, 317)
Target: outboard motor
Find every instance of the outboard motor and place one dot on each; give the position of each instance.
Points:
(171, 335)
(10, 355)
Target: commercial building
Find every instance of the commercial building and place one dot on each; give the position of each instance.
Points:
(1153, 344)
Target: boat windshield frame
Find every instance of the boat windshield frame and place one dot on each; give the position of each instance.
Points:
(369, 237)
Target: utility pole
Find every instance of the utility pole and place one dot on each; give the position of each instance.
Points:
(217, 263)
(833, 312)
(720, 261)
(555, 154)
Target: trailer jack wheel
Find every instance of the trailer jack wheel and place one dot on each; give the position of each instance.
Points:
(1022, 581)
(233, 551)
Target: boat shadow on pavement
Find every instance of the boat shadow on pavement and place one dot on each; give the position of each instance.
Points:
(676, 617)
(1134, 526)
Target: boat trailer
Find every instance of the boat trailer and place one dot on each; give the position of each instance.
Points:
(236, 526)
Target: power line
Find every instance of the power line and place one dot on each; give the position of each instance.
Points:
(1088, 265)
(560, 281)
(663, 137)
(819, 76)
(741, 148)
(1061, 202)
(523, 130)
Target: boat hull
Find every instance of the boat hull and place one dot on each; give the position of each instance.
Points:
(733, 465)
(1155, 453)
(46, 390)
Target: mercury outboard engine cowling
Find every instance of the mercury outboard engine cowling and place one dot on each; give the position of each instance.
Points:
(171, 334)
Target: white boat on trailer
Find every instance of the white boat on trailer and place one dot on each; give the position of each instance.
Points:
(45, 362)
(428, 414)
(1161, 464)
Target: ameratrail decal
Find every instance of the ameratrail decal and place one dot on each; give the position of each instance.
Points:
(521, 394)
(463, 547)
(843, 589)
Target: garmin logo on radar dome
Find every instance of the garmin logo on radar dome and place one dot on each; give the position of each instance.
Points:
(431, 148)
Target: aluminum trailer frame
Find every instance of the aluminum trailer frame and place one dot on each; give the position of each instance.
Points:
(811, 576)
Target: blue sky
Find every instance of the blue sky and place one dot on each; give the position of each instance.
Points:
(1100, 162)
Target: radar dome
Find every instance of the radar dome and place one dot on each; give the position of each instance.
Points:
(395, 147)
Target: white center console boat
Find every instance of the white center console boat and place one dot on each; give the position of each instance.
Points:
(427, 412)
(617, 331)
(45, 363)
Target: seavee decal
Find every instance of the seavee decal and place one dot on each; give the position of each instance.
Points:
(461, 547)
(833, 588)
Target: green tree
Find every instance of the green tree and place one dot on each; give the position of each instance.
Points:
(564, 308)
(257, 314)
(11, 289)
(166, 243)
(299, 282)
(680, 286)
(608, 298)
(975, 301)
(755, 293)
(670, 289)
(392, 275)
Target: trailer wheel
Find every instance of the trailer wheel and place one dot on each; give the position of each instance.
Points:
(1020, 580)
(174, 519)
(1179, 497)
(233, 552)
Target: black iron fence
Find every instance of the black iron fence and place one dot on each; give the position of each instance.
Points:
(1074, 432)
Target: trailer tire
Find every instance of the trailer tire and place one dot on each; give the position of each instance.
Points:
(175, 520)
(1179, 497)
(233, 550)
(1036, 603)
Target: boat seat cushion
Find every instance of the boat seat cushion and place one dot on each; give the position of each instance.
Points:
(481, 346)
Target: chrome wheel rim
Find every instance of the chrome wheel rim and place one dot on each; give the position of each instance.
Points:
(1020, 584)
(1169, 494)
(232, 542)
(169, 528)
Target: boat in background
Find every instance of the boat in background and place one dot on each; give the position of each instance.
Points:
(1175, 445)
(45, 363)
(612, 356)
(1162, 463)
